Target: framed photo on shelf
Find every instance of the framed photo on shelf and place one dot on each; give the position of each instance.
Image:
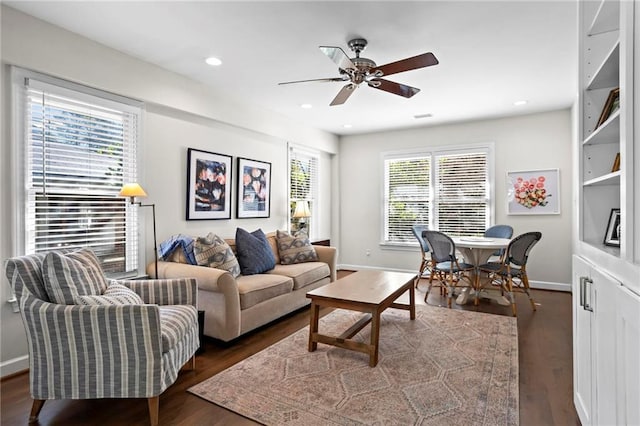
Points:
(533, 192)
(610, 106)
(254, 188)
(208, 185)
(612, 236)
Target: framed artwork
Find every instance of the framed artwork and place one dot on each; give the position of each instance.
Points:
(254, 188)
(612, 236)
(208, 185)
(533, 192)
(610, 106)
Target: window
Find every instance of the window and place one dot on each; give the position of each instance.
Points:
(447, 190)
(303, 189)
(79, 150)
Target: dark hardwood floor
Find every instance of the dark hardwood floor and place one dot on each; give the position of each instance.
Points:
(545, 359)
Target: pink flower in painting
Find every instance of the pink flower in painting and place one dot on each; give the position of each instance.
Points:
(531, 193)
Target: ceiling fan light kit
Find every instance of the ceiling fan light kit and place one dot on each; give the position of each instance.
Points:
(360, 70)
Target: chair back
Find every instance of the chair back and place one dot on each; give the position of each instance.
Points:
(499, 231)
(25, 275)
(443, 248)
(519, 248)
(417, 231)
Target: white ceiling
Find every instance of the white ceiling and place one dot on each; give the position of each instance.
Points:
(491, 53)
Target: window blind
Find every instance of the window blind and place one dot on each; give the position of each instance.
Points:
(407, 190)
(462, 193)
(303, 181)
(80, 151)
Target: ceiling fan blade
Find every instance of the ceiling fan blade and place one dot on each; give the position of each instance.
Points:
(317, 79)
(338, 56)
(343, 94)
(420, 61)
(393, 87)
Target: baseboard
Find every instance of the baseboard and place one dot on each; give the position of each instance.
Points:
(13, 366)
(540, 285)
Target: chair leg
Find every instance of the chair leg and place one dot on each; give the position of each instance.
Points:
(193, 363)
(420, 272)
(525, 283)
(35, 409)
(512, 297)
(154, 408)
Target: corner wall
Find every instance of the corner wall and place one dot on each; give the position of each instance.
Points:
(528, 142)
(179, 114)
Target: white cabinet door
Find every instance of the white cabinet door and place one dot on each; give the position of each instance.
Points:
(627, 357)
(583, 389)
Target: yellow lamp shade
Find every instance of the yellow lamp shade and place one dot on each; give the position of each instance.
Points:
(132, 190)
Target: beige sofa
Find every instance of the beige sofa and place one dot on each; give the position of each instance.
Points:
(235, 306)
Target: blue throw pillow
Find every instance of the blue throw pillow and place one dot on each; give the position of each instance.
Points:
(254, 252)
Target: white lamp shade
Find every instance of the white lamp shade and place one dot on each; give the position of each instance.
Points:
(132, 190)
(302, 210)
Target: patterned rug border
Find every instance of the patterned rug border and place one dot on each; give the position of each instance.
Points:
(416, 381)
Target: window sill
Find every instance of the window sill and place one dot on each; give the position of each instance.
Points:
(399, 246)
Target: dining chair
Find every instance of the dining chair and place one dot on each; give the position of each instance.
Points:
(445, 265)
(499, 231)
(512, 269)
(425, 259)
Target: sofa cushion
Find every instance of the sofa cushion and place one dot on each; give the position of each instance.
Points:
(303, 274)
(295, 249)
(254, 252)
(175, 322)
(257, 288)
(69, 275)
(116, 294)
(214, 252)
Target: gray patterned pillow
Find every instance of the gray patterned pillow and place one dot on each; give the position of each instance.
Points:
(69, 275)
(295, 249)
(116, 294)
(214, 252)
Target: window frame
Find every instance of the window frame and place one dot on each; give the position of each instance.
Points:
(314, 187)
(20, 147)
(433, 153)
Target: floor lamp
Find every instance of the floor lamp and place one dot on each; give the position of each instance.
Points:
(133, 190)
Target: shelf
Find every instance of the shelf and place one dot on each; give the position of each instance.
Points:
(608, 74)
(608, 132)
(608, 179)
(607, 18)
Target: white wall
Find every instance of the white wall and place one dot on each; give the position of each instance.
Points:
(539, 141)
(180, 114)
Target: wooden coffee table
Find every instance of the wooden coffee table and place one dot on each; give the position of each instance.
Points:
(370, 292)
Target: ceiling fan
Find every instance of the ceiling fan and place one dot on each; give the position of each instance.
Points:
(363, 70)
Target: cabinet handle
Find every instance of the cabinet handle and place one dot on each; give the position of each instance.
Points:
(582, 286)
(587, 305)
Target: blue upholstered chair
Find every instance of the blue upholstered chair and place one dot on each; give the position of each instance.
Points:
(104, 346)
(425, 257)
(511, 271)
(445, 266)
(499, 231)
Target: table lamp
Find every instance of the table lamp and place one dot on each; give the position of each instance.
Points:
(302, 212)
(133, 190)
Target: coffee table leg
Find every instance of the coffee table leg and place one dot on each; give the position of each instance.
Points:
(375, 338)
(313, 326)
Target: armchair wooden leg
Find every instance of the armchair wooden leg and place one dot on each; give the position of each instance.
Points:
(154, 407)
(193, 363)
(35, 409)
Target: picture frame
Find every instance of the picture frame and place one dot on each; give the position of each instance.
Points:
(610, 106)
(533, 192)
(616, 164)
(612, 235)
(254, 189)
(209, 182)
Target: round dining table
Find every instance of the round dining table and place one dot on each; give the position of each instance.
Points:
(476, 251)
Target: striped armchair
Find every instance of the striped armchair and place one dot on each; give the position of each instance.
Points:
(113, 351)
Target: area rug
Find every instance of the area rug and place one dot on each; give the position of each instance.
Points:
(448, 367)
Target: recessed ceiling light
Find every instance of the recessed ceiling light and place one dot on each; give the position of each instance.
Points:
(306, 106)
(213, 61)
(347, 126)
(428, 115)
(520, 103)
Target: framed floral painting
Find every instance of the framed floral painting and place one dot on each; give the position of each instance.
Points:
(533, 192)
(254, 188)
(208, 185)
